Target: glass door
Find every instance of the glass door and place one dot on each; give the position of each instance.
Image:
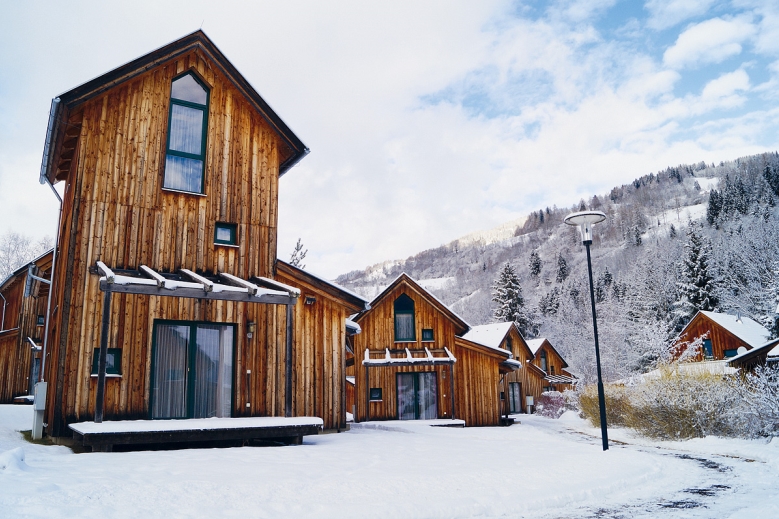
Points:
(515, 399)
(192, 370)
(417, 396)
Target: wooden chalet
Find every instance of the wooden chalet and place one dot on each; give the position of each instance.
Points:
(549, 360)
(723, 335)
(519, 388)
(22, 327)
(169, 302)
(412, 363)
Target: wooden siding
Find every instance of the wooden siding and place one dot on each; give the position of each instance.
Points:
(115, 210)
(476, 371)
(531, 381)
(721, 339)
(555, 365)
(21, 315)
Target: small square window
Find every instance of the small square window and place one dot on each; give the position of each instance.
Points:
(731, 353)
(113, 361)
(427, 334)
(375, 395)
(225, 234)
(40, 320)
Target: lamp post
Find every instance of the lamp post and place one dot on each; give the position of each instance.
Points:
(585, 220)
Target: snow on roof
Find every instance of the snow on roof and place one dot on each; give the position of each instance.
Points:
(488, 334)
(741, 326)
(534, 344)
(351, 325)
(712, 367)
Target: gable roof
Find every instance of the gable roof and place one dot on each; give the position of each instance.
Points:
(535, 345)
(430, 298)
(741, 326)
(491, 335)
(358, 302)
(138, 66)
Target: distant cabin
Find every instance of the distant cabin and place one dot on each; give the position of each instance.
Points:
(22, 327)
(520, 388)
(413, 361)
(171, 165)
(549, 360)
(723, 335)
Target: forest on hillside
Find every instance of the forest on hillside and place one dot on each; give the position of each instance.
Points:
(690, 237)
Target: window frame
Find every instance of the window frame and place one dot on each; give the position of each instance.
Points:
(428, 337)
(395, 313)
(375, 394)
(116, 371)
(233, 242)
(203, 143)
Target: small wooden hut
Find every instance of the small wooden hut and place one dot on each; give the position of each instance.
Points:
(723, 335)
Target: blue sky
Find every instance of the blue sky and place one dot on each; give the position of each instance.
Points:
(426, 120)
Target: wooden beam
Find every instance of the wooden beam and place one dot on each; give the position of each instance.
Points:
(288, 366)
(199, 293)
(104, 330)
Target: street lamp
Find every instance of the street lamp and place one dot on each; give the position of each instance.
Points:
(585, 220)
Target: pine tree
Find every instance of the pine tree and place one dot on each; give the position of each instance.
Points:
(697, 285)
(298, 255)
(507, 293)
(672, 232)
(535, 264)
(562, 269)
(715, 206)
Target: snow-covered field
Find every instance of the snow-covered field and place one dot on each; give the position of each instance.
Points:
(539, 468)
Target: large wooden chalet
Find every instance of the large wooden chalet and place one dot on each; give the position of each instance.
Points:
(411, 362)
(166, 253)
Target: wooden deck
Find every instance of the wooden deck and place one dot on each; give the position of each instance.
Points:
(103, 436)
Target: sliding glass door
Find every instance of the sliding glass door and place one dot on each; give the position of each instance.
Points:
(417, 396)
(192, 369)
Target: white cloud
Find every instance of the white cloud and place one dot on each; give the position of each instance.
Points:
(711, 41)
(667, 13)
(726, 85)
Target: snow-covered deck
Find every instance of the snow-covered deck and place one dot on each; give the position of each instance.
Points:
(401, 425)
(102, 436)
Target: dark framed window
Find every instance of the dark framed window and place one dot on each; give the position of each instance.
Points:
(225, 233)
(40, 321)
(551, 370)
(113, 361)
(427, 334)
(731, 353)
(708, 351)
(509, 344)
(404, 319)
(187, 128)
(543, 360)
(375, 395)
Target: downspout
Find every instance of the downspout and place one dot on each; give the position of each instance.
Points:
(5, 303)
(44, 179)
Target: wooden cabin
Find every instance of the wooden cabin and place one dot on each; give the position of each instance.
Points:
(22, 327)
(527, 380)
(549, 360)
(723, 335)
(412, 363)
(167, 253)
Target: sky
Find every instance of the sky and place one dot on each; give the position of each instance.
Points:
(426, 120)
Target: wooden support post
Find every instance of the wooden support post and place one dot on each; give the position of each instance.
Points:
(104, 330)
(451, 386)
(288, 367)
(367, 395)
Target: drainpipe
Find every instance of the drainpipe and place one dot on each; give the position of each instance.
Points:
(44, 179)
(41, 387)
(2, 323)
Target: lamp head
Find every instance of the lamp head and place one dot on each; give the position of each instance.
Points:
(585, 220)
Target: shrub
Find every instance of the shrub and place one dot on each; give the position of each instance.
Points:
(551, 404)
(617, 405)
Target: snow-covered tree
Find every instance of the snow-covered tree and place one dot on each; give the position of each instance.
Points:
(507, 294)
(562, 269)
(17, 249)
(535, 264)
(298, 255)
(697, 281)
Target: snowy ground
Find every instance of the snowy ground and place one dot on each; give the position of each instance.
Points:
(540, 468)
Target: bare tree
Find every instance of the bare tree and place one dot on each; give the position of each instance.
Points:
(298, 255)
(17, 249)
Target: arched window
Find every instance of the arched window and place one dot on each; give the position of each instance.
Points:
(187, 128)
(509, 344)
(404, 319)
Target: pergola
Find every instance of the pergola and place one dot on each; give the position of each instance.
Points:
(188, 284)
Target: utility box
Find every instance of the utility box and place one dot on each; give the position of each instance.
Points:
(529, 403)
(40, 396)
